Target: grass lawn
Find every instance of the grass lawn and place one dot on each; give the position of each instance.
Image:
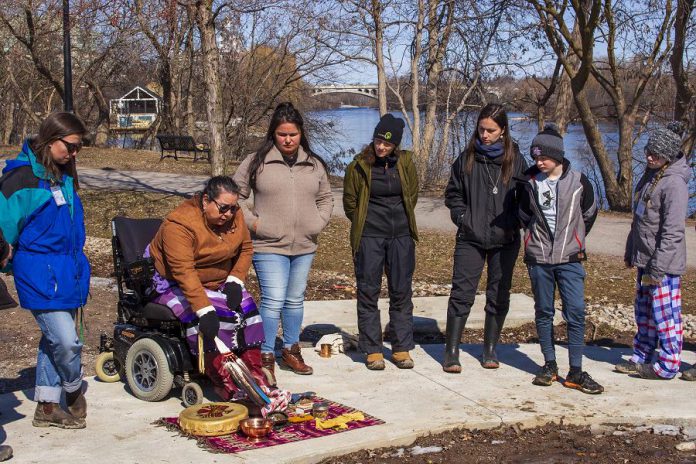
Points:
(132, 160)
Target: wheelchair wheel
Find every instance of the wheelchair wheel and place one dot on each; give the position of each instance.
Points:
(147, 370)
(191, 394)
(107, 367)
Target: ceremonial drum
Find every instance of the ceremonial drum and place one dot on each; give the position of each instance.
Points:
(212, 419)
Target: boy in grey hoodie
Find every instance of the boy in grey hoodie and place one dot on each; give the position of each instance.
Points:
(656, 246)
(557, 210)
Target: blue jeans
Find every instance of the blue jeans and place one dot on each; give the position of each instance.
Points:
(570, 278)
(58, 364)
(283, 280)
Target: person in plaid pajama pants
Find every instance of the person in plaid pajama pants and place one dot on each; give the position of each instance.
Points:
(656, 246)
(659, 321)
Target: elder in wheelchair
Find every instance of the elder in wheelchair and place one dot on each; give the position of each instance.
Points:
(188, 279)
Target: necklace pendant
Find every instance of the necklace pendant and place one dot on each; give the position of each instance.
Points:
(495, 190)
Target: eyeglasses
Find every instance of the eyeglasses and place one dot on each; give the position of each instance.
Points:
(72, 147)
(225, 208)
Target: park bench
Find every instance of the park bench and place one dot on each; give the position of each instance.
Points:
(182, 144)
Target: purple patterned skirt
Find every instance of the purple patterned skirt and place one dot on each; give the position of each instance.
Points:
(239, 329)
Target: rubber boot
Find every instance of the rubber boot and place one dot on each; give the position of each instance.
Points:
(453, 336)
(491, 334)
(52, 415)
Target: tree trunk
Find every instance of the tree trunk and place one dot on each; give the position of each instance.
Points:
(8, 121)
(415, 89)
(617, 197)
(165, 79)
(190, 116)
(439, 28)
(564, 99)
(684, 104)
(211, 76)
(379, 56)
(564, 103)
(102, 124)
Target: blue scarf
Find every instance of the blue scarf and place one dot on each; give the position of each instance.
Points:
(491, 151)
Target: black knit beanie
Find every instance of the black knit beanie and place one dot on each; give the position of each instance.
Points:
(389, 129)
(549, 143)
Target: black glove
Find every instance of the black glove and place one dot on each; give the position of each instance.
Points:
(209, 325)
(233, 291)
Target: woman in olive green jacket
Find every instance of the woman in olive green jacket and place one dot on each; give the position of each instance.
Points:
(380, 191)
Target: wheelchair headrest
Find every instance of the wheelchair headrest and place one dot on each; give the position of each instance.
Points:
(134, 235)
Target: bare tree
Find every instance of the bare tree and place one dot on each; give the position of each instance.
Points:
(685, 96)
(541, 99)
(166, 25)
(204, 16)
(642, 30)
(446, 47)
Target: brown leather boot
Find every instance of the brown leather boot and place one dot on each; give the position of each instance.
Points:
(77, 404)
(268, 367)
(292, 361)
(52, 415)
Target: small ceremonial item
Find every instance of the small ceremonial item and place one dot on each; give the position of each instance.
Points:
(212, 419)
(320, 410)
(325, 350)
(256, 428)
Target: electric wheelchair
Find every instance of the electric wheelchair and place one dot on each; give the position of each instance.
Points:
(148, 346)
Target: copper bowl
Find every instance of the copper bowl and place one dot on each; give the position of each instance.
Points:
(256, 427)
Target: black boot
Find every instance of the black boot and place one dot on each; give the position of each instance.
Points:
(491, 333)
(453, 336)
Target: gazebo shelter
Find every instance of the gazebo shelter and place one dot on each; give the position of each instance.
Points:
(137, 109)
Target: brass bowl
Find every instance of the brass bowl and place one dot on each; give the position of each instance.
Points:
(256, 427)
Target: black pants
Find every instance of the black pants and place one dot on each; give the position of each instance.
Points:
(397, 258)
(468, 266)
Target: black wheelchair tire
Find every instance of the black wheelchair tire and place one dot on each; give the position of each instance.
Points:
(191, 394)
(147, 370)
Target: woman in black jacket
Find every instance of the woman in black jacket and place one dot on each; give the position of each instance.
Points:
(481, 197)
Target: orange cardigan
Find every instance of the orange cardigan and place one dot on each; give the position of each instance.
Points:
(186, 250)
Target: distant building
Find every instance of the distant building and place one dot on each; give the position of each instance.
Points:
(137, 109)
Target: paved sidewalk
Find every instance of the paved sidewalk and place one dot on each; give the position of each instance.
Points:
(429, 313)
(412, 403)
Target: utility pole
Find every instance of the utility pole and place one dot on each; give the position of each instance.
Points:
(67, 62)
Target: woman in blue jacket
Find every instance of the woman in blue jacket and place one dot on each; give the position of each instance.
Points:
(41, 217)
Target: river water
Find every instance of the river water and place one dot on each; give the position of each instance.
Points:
(341, 133)
(351, 129)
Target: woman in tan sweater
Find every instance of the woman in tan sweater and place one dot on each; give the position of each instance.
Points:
(287, 201)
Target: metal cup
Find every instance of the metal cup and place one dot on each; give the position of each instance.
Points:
(325, 350)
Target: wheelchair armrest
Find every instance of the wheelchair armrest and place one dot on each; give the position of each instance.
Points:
(142, 269)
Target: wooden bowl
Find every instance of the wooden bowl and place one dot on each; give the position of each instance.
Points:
(256, 428)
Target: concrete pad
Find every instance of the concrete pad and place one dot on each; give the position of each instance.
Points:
(430, 314)
(411, 402)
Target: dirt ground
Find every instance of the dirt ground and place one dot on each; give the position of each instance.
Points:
(332, 272)
(548, 444)
(332, 278)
